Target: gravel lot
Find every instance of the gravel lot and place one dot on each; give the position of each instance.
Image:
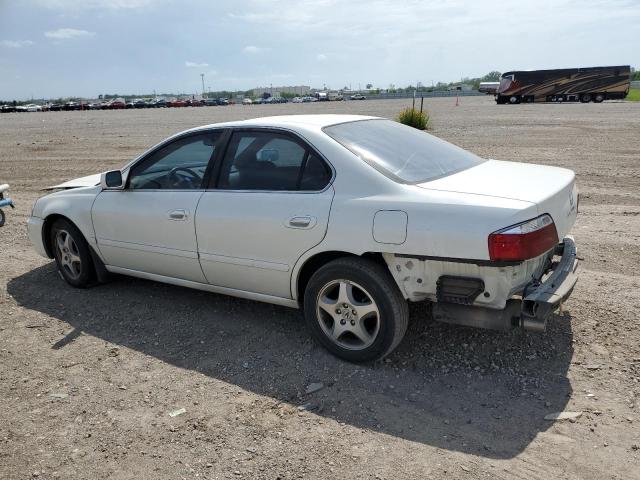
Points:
(88, 377)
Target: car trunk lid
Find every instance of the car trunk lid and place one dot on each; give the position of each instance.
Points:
(551, 189)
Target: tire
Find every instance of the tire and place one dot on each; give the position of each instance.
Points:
(72, 255)
(585, 98)
(599, 98)
(514, 100)
(2, 218)
(375, 309)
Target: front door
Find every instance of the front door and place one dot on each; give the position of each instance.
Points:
(150, 225)
(270, 204)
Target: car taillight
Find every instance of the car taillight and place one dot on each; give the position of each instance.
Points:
(524, 240)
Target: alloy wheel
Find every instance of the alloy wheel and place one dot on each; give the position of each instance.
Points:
(68, 254)
(348, 314)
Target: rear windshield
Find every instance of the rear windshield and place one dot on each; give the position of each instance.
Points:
(402, 153)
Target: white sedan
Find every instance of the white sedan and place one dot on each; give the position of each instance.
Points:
(347, 217)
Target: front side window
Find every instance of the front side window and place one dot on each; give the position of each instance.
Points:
(273, 162)
(402, 153)
(181, 165)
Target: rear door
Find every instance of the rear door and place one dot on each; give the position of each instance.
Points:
(269, 204)
(149, 226)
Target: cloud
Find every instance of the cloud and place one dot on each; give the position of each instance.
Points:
(252, 49)
(321, 57)
(95, 4)
(62, 33)
(15, 43)
(195, 64)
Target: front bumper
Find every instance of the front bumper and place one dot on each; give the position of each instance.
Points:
(34, 231)
(541, 299)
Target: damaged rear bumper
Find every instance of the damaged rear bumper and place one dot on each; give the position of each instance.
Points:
(539, 298)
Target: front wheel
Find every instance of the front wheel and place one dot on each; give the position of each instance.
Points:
(355, 310)
(71, 253)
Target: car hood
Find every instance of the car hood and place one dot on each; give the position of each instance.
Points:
(88, 181)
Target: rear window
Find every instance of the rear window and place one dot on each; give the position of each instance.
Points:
(402, 153)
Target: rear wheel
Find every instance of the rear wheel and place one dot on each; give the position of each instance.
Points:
(585, 98)
(355, 310)
(598, 98)
(71, 253)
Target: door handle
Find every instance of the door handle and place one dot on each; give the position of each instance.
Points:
(302, 221)
(180, 214)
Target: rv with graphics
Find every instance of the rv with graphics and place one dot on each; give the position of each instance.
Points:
(594, 84)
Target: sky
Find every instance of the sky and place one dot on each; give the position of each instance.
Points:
(59, 48)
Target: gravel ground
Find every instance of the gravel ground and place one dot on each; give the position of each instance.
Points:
(88, 378)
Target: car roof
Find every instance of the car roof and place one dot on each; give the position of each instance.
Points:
(317, 121)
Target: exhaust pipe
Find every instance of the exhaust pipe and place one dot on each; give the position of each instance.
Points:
(529, 315)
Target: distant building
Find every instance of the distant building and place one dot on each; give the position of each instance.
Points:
(277, 91)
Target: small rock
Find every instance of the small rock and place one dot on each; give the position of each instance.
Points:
(563, 416)
(308, 407)
(466, 469)
(593, 366)
(122, 387)
(314, 387)
(59, 395)
(175, 413)
(635, 446)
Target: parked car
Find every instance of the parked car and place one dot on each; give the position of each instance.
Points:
(55, 107)
(158, 103)
(347, 217)
(296, 100)
(7, 108)
(358, 96)
(32, 107)
(177, 103)
(211, 102)
(247, 101)
(223, 101)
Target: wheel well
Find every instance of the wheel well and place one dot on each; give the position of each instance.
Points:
(312, 265)
(46, 232)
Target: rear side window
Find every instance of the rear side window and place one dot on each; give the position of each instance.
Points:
(402, 153)
(271, 161)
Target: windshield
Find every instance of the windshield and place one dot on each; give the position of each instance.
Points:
(402, 153)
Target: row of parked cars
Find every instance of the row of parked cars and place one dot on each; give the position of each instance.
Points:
(119, 104)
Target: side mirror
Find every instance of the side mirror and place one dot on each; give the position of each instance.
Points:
(112, 180)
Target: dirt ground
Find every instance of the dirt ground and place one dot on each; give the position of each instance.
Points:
(88, 377)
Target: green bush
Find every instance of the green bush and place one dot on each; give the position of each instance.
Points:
(414, 118)
(634, 95)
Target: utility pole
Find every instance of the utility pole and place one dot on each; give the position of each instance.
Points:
(202, 77)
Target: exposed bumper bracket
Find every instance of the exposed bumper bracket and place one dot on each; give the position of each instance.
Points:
(539, 300)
